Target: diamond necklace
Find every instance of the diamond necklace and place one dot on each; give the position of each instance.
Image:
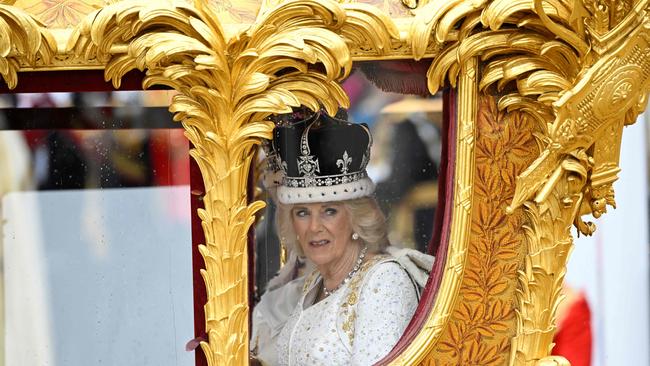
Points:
(354, 270)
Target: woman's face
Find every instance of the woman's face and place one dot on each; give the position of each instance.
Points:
(324, 231)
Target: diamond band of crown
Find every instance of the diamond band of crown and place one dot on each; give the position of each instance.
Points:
(323, 181)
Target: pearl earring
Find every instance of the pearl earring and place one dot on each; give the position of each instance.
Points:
(355, 236)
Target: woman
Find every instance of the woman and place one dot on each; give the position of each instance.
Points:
(354, 307)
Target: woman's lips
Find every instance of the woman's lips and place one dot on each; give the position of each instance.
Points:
(319, 243)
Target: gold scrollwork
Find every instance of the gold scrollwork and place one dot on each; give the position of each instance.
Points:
(228, 84)
(579, 69)
(23, 40)
(529, 55)
(549, 243)
(530, 64)
(573, 176)
(610, 94)
(536, 55)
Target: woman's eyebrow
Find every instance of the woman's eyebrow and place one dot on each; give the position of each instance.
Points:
(332, 204)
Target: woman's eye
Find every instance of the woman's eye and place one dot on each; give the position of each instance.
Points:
(331, 211)
(300, 213)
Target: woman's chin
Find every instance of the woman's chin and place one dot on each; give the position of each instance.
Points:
(319, 255)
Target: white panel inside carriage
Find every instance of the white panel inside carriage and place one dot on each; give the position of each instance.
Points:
(611, 267)
(97, 277)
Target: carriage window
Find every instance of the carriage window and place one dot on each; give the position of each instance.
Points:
(313, 184)
(96, 243)
(404, 166)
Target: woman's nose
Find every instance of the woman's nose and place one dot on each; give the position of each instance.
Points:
(315, 224)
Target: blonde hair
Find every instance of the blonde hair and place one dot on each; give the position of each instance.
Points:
(366, 219)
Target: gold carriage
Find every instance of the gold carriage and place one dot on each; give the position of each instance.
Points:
(537, 93)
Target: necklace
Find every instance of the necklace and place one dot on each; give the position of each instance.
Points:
(354, 270)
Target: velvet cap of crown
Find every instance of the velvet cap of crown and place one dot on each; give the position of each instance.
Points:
(323, 159)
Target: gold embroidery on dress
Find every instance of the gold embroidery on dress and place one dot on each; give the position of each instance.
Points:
(347, 307)
(309, 281)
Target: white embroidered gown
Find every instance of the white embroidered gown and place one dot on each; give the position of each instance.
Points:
(357, 325)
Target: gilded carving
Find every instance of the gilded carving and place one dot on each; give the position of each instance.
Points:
(228, 84)
(608, 21)
(610, 94)
(541, 65)
(392, 8)
(62, 18)
(22, 40)
(558, 81)
(549, 244)
(575, 173)
(484, 318)
(530, 65)
(60, 13)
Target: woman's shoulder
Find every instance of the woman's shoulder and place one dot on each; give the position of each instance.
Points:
(379, 276)
(382, 265)
(383, 289)
(377, 267)
(386, 271)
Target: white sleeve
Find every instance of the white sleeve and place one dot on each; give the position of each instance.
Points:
(387, 302)
(270, 316)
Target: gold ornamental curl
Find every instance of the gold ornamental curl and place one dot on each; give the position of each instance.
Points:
(228, 84)
(528, 54)
(537, 57)
(529, 57)
(23, 39)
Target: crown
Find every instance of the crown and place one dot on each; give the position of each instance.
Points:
(323, 159)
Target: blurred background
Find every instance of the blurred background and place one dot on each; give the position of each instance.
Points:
(95, 240)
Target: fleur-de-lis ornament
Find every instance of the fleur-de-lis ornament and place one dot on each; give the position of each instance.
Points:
(344, 163)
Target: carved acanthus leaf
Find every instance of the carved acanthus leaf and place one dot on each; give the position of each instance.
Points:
(22, 38)
(522, 45)
(228, 85)
(581, 84)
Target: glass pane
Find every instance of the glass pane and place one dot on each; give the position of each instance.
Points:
(96, 242)
(406, 135)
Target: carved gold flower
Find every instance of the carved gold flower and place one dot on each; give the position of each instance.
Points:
(622, 92)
